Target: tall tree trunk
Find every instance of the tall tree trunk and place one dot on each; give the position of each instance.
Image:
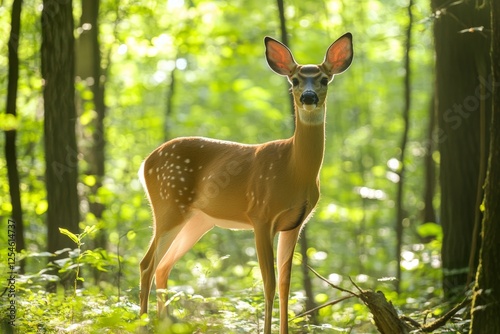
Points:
(486, 298)
(88, 68)
(400, 214)
(61, 155)
(428, 213)
(462, 65)
(10, 134)
(169, 105)
(306, 278)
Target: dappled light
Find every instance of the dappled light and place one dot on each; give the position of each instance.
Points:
(401, 202)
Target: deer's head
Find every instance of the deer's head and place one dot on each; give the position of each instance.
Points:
(310, 82)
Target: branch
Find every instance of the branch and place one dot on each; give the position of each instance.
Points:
(444, 319)
(333, 302)
(385, 316)
(330, 283)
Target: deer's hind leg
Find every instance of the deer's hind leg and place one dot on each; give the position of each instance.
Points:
(185, 238)
(146, 275)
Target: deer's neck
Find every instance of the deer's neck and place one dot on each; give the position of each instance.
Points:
(309, 142)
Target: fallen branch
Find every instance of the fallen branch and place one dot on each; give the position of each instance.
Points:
(336, 301)
(385, 316)
(428, 328)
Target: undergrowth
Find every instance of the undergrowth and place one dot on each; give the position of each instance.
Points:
(90, 305)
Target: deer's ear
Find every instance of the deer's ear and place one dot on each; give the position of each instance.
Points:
(339, 55)
(279, 57)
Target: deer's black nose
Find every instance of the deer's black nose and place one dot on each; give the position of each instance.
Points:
(309, 97)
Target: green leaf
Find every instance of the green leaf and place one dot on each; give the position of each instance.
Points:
(71, 235)
(430, 230)
(482, 207)
(89, 180)
(88, 230)
(131, 235)
(8, 122)
(41, 207)
(40, 254)
(61, 251)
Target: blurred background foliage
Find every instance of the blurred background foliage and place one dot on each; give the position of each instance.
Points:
(213, 52)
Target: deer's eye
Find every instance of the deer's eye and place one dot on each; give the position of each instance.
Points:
(324, 81)
(295, 82)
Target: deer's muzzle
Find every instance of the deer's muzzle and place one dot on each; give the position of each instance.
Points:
(309, 97)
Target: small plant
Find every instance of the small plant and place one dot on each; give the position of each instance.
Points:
(78, 255)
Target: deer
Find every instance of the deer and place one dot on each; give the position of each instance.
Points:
(194, 184)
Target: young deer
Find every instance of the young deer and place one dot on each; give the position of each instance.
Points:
(194, 184)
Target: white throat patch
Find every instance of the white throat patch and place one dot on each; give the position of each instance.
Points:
(311, 114)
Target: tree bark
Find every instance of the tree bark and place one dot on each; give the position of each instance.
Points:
(306, 279)
(400, 212)
(11, 134)
(486, 298)
(428, 213)
(88, 63)
(169, 105)
(61, 154)
(462, 66)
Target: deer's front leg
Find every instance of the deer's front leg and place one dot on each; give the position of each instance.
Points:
(265, 255)
(286, 245)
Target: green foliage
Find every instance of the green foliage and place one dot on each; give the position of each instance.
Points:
(77, 258)
(87, 311)
(224, 89)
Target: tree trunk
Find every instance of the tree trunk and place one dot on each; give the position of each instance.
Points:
(400, 212)
(428, 213)
(10, 134)
(169, 105)
(61, 155)
(88, 63)
(462, 65)
(306, 279)
(486, 298)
